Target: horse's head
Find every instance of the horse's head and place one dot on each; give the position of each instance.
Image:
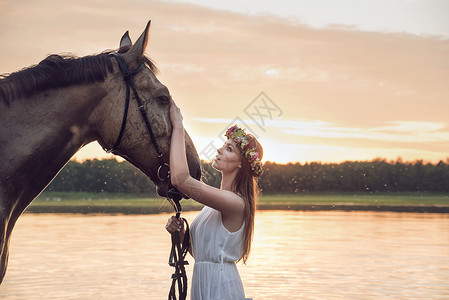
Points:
(135, 143)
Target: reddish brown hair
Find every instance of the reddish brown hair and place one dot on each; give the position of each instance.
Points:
(245, 184)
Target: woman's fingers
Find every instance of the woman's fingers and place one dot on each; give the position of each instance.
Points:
(174, 224)
(175, 114)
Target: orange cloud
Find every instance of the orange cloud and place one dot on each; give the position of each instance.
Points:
(215, 62)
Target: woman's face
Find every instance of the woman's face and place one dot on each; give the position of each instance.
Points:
(228, 157)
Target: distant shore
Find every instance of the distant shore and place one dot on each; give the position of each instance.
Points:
(385, 208)
(136, 210)
(107, 203)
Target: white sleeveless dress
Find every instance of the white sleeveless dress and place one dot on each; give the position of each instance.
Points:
(215, 249)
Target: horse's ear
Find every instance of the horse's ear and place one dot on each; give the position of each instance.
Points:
(126, 40)
(138, 49)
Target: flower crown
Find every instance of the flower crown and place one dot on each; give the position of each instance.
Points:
(239, 136)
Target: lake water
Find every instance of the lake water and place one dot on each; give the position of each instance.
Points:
(296, 255)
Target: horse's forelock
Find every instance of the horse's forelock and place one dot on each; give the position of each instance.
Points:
(151, 65)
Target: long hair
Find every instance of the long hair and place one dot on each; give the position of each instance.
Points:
(245, 184)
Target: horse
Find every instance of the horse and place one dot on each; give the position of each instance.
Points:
(51, 110)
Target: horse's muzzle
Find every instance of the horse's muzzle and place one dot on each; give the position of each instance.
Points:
(167, 190)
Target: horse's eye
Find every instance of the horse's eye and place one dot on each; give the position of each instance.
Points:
(164, 99)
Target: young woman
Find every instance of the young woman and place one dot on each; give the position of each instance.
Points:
(222, 233)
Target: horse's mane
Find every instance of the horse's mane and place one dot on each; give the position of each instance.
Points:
(57, 71)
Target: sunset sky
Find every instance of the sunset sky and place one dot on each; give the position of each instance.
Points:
(320, 80)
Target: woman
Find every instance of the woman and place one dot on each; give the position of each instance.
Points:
(222, 233)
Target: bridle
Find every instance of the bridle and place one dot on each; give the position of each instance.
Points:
(178, 252)
(163, 171)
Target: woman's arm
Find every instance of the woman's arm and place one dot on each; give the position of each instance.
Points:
(228, 203)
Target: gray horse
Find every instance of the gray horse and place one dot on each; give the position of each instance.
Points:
(50, 111)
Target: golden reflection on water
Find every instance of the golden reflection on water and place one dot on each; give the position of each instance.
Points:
(307, 255)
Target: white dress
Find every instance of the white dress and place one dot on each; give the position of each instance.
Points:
(215, 249)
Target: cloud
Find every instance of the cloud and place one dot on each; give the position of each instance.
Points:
(405, 132)
(333, 86)
(333, 153)
(394, 131)
(408, 126)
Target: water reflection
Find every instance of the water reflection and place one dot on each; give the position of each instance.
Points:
(307, 255)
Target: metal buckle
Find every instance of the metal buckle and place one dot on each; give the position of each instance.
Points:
(161, 176)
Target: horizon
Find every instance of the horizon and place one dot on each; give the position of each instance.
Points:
(392, 161)
(313, 81)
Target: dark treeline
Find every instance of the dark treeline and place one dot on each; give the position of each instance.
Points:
(370, 176)
(106, 175)
(351, 176)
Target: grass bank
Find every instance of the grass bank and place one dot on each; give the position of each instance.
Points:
(400, 202)
(120, 203)
(80, 202)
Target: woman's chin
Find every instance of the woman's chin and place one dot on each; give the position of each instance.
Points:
(215, 165)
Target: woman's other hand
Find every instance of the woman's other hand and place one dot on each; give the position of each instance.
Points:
(174, 224)
(175, 115)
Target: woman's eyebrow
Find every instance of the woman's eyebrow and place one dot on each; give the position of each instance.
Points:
(229, 144)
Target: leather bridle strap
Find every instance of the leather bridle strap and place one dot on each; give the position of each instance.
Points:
(128, 76)
(178, 251)
(177, 259)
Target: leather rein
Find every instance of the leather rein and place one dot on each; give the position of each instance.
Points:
(178, 249)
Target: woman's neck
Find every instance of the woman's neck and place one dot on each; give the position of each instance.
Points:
(226, 182)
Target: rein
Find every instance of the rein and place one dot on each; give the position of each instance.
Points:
(177, 258)
(178, 251)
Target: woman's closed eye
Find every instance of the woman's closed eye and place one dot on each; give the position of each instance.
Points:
(228, 147)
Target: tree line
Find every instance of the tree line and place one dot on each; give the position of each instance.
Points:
(378, 175)
(354, 176)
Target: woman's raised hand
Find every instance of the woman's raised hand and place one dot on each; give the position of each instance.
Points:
(175, 115)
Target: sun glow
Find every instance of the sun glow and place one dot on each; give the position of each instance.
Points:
(346, 89)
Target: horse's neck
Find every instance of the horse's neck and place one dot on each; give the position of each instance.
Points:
(40, 135)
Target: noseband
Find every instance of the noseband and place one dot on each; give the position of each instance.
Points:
(163, 172)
